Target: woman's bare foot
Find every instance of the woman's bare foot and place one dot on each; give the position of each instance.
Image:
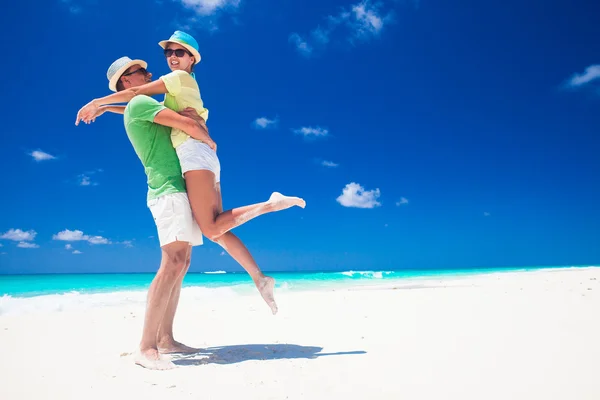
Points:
(279, 202)
(152, 359)
(173, 346)
(266, 286)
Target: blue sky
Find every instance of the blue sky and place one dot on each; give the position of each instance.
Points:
(422, 134)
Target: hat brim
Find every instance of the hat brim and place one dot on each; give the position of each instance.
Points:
(112, 84)
(195, 53)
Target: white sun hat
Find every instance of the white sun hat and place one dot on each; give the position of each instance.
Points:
(117, 69)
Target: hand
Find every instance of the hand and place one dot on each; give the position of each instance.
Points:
(211, 144)
(190, 113)
(193, 114)
(101, 110)
(87, 113)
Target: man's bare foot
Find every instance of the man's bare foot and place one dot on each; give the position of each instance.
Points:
(173, 346)
(279, 202)
(151, 359)
(265, 286)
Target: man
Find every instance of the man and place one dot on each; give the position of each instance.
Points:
(148, 124)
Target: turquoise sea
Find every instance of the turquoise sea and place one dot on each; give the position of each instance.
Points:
(51, 292)
(44, 284)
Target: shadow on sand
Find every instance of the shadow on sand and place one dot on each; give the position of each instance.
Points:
(240, 353)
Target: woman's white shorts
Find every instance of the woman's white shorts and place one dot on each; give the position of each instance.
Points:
(196, 155)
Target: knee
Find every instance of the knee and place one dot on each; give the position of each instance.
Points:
(175, 262)
(211, 232)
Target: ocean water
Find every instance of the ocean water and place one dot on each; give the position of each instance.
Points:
(59, 292)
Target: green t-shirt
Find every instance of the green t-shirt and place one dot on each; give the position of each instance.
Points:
(152, 144)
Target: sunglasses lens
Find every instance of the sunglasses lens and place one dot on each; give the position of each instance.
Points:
(178, 52)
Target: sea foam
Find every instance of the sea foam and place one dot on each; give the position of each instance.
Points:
(367, 274)
(76, 301)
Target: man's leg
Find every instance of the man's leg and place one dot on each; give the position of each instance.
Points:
(166, 341)
(174, 257)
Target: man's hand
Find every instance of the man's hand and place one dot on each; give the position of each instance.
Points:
(193, 114)
(87, 113)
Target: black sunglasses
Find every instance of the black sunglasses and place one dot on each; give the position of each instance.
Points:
(142, 70)
(178, 52)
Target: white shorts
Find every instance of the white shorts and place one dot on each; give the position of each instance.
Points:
(195, 155)
(174, 221)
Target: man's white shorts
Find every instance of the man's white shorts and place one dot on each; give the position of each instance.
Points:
(174, 221)
(196, 155)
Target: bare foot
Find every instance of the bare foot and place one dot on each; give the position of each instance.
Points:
(280, 202)
(173, 346)
(151, 359)
(265, 286)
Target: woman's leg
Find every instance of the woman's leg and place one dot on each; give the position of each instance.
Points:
(207, 206)
(205, 200)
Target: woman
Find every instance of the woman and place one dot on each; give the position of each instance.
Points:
(199, 162)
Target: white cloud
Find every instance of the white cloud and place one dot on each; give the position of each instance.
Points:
(84, 180)
(367, 19)
(73, 8)
(591, 73)
(27, 245)
(69, 236)
(19, 235)
(308, 131)
(210, 7)
(77, 252)
(301, 45)
(98, 240)
(361, 21)
(403, 200)
(127, 243)
(68, 246)
(39, 155)
(76, 235)
(320, 35)
(264, 123)
(329, 164)
(222, 253)
(486, 214)
(354, 195)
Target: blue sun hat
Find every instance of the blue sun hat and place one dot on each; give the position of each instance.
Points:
(186, 41)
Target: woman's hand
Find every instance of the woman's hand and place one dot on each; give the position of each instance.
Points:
(101, 110)
(211, 144)
(88, 113)
(193, 114)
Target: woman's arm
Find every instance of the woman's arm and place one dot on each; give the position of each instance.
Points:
(87, 112)
(103, 109)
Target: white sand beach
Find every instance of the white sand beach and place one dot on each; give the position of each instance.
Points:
(529, 335)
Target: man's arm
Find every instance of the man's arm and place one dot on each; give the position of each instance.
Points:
(170, 118)
(193, 114)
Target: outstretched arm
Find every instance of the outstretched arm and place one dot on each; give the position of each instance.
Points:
(87, 112)
(103, 109)
(170, 118)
